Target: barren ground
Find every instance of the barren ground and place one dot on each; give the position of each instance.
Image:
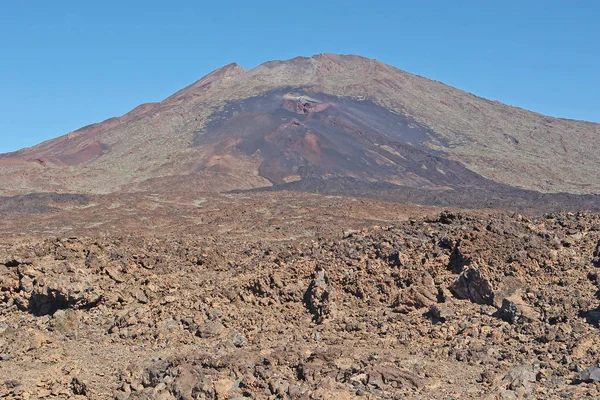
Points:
(286, 295)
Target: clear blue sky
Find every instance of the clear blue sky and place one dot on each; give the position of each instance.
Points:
(66, 64)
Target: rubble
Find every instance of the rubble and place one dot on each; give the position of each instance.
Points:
(377, 313)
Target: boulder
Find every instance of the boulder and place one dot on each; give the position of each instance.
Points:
(54, 294)
(441, 312)
(517, 383)
(471, 285)
(414, 298)
(319, 297)
(514, 309)
(210, 329)
(591, 374)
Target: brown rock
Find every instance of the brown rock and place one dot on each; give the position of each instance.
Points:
(473, 286)
(414, 298)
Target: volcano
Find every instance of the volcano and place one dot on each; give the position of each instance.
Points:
(327, 118)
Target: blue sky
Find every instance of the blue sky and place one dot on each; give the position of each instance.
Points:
(66, 64)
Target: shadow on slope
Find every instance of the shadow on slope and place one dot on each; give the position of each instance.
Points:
(496, 196)
(37, 203)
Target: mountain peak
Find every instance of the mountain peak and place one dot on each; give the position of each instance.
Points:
(318, 59)
(207, 82)
(319, 117)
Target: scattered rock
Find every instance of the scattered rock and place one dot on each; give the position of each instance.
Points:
(236, 324)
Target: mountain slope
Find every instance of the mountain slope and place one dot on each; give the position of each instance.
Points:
(319, 117)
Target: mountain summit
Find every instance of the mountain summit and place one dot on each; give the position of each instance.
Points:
(324, 117)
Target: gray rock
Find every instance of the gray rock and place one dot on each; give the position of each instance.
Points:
(155, 373)
(521, 378)
(441, 311)
(514, 310)
(210, 329)
(236, 338)
(517, 383)
(506, 395)
(508, 311)
(592, 374)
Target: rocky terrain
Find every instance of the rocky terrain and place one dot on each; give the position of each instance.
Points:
(327, 116)
(317, 228)
(383, 301)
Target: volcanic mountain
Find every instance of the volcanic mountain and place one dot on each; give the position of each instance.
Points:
(328, 118)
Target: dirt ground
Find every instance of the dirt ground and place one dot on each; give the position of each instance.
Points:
(294, 296)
